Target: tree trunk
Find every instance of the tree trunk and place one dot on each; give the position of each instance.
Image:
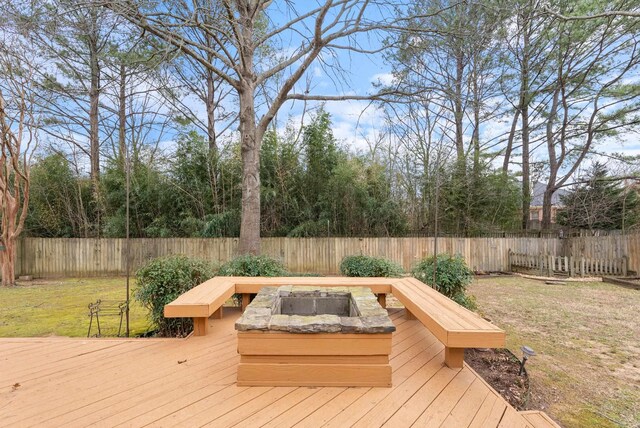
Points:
(250, 148)
(94, 101)
(250, 139)
(211, 136)
(14, 182)
(8, 255)
(546, 207)
(211, 108)
(122, 117)
(475, 137)
(94, 137)
(526, 171)
(524, 111)
(8, 262)
(458, 109)
(512, 134)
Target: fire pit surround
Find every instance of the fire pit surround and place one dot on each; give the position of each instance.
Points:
(303, 309)
(314, 336)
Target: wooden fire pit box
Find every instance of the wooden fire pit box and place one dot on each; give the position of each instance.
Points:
(347, 344)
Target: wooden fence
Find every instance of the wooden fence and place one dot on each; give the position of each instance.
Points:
(549, 265)
(48, 257)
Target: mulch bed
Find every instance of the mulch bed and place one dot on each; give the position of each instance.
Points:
(499, 368)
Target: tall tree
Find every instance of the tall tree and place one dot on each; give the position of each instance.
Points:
(455, 67)
(594, 94)
(18, 138)
(196, 81)
(525, 76)
(330, 26)
(74, 39)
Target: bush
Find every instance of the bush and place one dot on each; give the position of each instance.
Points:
(161, 281)
(253, 266)
(452, 277)
(365, 266)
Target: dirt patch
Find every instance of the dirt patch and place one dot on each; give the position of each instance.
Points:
(500, 369)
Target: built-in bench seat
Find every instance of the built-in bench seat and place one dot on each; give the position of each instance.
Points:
(201, 302)
(207, 299)
(456, 327)
(453, 325)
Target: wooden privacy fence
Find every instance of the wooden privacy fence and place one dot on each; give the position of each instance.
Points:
(51, 257)
(549, 265)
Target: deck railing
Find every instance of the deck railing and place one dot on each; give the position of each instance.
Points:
(547, 264)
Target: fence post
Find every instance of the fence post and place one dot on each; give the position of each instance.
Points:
(509, 256)
(625, 265)
(541, 264)
(582, 266)
(551, 263)
(572, 266)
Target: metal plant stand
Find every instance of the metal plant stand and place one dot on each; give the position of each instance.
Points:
(102, 308)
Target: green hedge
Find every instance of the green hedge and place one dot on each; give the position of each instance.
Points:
(161, 281)
(365, 266)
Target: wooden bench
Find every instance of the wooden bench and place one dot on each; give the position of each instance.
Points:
(201, 302)
(456, 327)
(453, 325)
(207, 299)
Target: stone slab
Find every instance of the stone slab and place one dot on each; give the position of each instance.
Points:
(310, 309)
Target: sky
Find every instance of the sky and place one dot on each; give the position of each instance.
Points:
(357, 123)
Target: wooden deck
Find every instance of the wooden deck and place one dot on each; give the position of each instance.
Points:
(191, 382)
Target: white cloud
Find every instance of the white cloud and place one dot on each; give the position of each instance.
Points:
(383, 78)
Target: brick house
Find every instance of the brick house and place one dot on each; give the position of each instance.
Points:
(535, 209)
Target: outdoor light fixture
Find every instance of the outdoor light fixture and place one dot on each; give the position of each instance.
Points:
(526, 353)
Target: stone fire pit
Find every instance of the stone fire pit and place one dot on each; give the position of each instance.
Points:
(314, 336)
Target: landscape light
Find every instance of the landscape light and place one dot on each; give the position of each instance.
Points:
(526, 353)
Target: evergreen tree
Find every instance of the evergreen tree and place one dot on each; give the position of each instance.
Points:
(600, 202)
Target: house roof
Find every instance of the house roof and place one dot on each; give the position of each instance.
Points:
(537, 195)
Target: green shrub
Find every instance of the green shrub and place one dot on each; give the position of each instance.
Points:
(452, 277)
(252, 266)
(365, 266)
(161, 281)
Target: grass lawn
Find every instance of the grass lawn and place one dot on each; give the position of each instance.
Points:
(59, 307)
(587, 337)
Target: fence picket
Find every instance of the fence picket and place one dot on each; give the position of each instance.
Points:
(550, 264)
(50, 257)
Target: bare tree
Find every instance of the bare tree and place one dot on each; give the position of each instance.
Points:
(593, 95)
(18, 139)
(456, 65)
(419, 132)
(75, 40)
(246, 27)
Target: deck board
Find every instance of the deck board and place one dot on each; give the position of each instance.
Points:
(138, 382)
